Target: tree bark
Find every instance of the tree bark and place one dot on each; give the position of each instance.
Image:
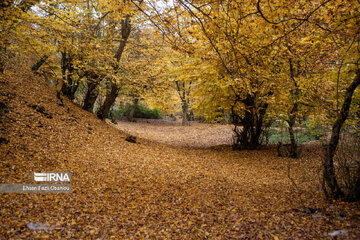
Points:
(69, 86)
(185, 109)
(259, 124)
(130, 117)
(293, 112)
(111, 96)
(291, 122)
(184, 97)
(37, 65)
(91, 101)
(249, 136)
(293, 145)
(90, 96)
(109, 101)
(331, 186)
(2, 66)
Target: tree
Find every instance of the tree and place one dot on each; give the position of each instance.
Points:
(344, 29)
(329, 177)
(184, 74)
(114, 87)
(183, 90)
(197, 29)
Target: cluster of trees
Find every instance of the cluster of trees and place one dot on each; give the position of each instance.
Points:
(104, 47)
(264, 60)
(255, 61)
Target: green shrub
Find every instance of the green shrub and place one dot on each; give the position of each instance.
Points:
(316, 129)
(156, 113)
(117, 113)
(141, 111)
(278, 132)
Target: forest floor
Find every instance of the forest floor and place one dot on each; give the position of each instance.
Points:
(197, 135)
(149, 189)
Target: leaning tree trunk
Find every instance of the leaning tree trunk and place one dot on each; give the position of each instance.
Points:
(90, 103)
(39, 63)
(69, 87)
(330, 184)
(109, 101)
(112, 95)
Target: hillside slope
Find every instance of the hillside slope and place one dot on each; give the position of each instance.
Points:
(122, 190)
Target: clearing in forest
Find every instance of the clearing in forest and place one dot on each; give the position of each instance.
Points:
(150, 190)
(198, 135)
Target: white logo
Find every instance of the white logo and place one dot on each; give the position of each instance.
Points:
(52, 177)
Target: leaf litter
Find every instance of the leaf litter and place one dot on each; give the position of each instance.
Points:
(150, 190)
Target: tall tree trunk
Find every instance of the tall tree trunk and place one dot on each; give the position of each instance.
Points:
(293, 145)
(293, 112)
(69, 86)
(185, 109)
(91, 102)
(90, 96)
(291, 122)
(259, 124)
(331, 186)
(245, 136)
(249, 136)
(111, 96)
(109, 101)
(181, 88)
(130, 117)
